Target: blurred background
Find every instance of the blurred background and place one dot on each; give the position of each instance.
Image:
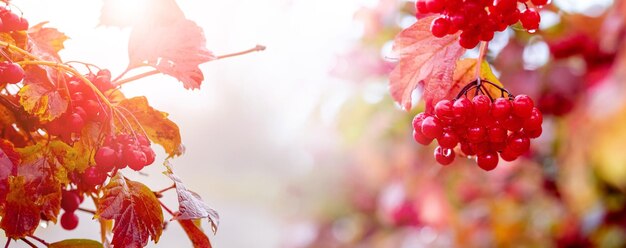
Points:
(301, 145)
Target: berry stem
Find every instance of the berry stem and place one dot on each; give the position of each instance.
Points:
(167, 209)
(166, 189)
(28, 242)
(118, 81)
(87, 211)
(40, 240)
(7, 243)
(484, 47)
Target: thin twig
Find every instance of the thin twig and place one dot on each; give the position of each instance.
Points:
(39, 239)
(166, 189)
(8, 243)
(257, 48)
(87, 211)
(28, 242)
(167, 209)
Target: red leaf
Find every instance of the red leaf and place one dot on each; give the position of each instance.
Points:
(135, 210)
(176, 48)
(8, 160)
(195, 233)
(424, 60)
(191, 205)
(20, 216)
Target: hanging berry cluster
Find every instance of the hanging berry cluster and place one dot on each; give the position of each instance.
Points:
(478, 20)
(70, 201)
(483, 127)
(85, 106)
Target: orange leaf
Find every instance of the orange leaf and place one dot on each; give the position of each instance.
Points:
(159, 128)
(195, 233)
(190, 203)
(8, 160)
(135, 210)
(425, 61)
(47, 40)
(42, 100)
(465, 73)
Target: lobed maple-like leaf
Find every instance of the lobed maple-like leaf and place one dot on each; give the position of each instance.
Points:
(426, 61)
(135, 210)
(465, 73)
(196, 235)
(176, 48)
(46, 40)
(158, 127)
(190, 204)
(76, 243)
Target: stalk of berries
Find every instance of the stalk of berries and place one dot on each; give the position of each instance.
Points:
(70, 200)
(478, 20)
(485, 127)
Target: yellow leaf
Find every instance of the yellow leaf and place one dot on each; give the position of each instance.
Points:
(465, 73)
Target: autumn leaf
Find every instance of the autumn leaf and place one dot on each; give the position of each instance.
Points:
(76, 243)
(465, 73)
(195, 233)
(47, 40)
(20, 216)
(190, 204)
(425, 61)
(176, 49)
(42, 100)
(162, 11)
(158, 127)
(9, 159)
(135, 210)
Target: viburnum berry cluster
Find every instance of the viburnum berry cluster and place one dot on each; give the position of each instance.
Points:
(482, 126)
(478, 20)
(85, 106)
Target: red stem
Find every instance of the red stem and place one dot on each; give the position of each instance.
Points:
(167, 209)
(39, 239)
(28, 242)
(8, 243)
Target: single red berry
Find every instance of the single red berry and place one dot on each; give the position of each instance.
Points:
(497, 146)
(105, 158)
(92, 108)
(439, 27)
(512, 123)
(432, 127)
(504, 6)
(421, 138)
(533, 133)
(420, 7)
(534, 120)
(143, 140)
(501, 108)
(435, 6)
(530, 19)
(497, 134)
(448, 140)
(539, 2)
(75, 122)
(476, 134)
(11, 73)
(487, 161)
(69, 201)
(10, 21)
(418, 119)
(463, 109)
(69, 220)
(482, 105)
(523, 106)
(508, 155)
(443, 109)
(92, 176)
(23, 24)
(518, 143)
(469, 40)
(481, 147)
(466, 148)
(134, 157)
(150, 155)
(444, 156)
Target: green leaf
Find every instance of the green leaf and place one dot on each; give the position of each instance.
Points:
(76, 243)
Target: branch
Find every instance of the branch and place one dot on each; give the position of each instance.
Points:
(40, 240)
(87, 211)
(257, 48)
(29, 243)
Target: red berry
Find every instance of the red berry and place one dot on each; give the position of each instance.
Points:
(420, 137)
(497, 134)
(482, 105)
(420, 7)
(11, 73)
(105, 158)
(534, 120)
(69, 201)
(476, 134)
(462, 109)
(539, 2)
(432, 127)
(143, 140)
(418, 119)
(10, 21)
(435, 6)
(444, 156)
(448, 140)
(23, 24)
(92, 108)
(69, 220)
(487, 161)
(135, 159)
(508, 155)
(150, 155)
(439, 27)
(92, 176)
(530, 19)
(504, 6)
(501, 108)
(512, 123)
(468, 40)
(534, 133)
(467, 149)
(523, 106)
(75, 122)
(518, 143)
(443, 110)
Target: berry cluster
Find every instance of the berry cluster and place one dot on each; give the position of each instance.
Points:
(10, 21)
(478, 20)
(483, 127)
(69, 203)
(85, 106)
(11, 73)
(124, 150)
